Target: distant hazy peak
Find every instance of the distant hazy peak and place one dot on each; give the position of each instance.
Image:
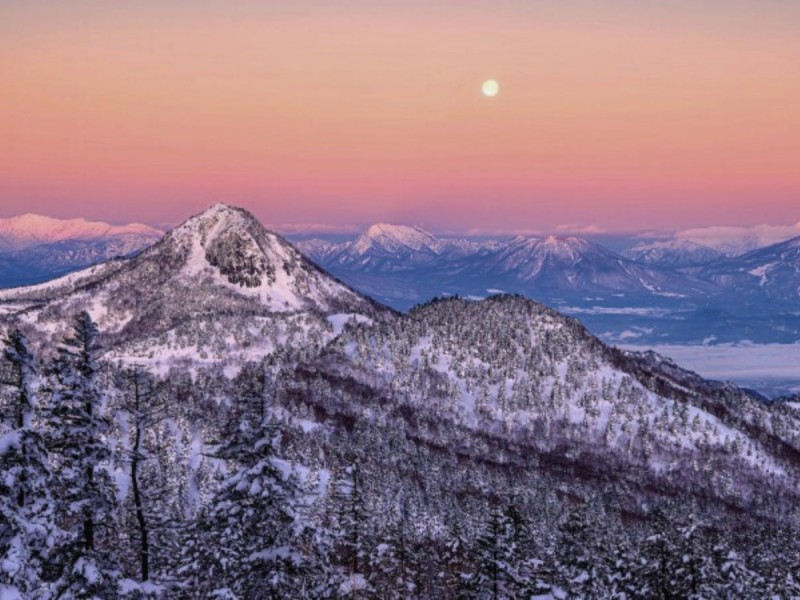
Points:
(735, 241)
(393, 237)
(673, 244)
(31, 229)
(676, 252)
(377, 229)
(552, 245)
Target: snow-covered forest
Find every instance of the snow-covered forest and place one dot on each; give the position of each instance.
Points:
(119, 484)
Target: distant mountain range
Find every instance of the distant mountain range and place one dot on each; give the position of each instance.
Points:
(432, 266)
(675, 253)
(34, 248)
(667, 291)
(674, 291)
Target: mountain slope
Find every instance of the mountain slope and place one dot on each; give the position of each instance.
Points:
(218, 281)
(673, 254)
(539, 385)
(772, 272)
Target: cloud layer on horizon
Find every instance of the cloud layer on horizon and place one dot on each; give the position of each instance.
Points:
(733, 240)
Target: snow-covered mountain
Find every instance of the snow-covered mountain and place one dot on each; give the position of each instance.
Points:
(547, 267)
(509, 368)
(218, 281)
(403, 266)
(673, 291)
(772, 272)
(673, 253)
(386, 248)
(736, 241)
(34, 248)
(33, 230)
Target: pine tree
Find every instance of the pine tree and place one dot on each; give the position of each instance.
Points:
(695, 558)
(85, 492)
(251, 541)
(351, 541)
(731, 577)
(27, 522)
(394, 570)
(659, 575)
(622, 565)
(578, 561)
(454, 566)
(502, 565)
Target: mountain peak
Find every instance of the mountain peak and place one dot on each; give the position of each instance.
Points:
(219, 274)
(552, 245)
(391, 238)
(377, 229)
(676, 252)
(229, 247)
(217, 214)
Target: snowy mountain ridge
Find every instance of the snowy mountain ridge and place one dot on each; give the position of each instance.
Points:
(29, 230)
(673, 253)
(773, 272)
(34, 248)
(392, 238)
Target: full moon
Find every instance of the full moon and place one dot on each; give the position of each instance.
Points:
(490, 88)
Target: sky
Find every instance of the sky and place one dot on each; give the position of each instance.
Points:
(612, 114)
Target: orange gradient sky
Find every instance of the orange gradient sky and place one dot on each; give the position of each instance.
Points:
(616, 114)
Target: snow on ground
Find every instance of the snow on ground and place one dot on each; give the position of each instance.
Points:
(10, 309)
(762, 272)
(338, 321)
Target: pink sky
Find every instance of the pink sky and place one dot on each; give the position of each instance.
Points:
(610, 114)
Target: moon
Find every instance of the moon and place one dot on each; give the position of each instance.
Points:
(490, 88)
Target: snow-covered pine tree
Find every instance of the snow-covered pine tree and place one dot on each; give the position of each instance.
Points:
(454, 567)
(659, 573)
(27, 522)
(731, 577)
(622, 565)
(350, 534)
(578, 557)
(502, 565)
(251, 541)
(393, 563)
(85, 493)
